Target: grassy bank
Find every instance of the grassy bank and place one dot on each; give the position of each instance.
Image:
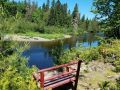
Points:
(46, 36)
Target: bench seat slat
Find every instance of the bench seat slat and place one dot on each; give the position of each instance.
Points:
(60, 83)
(58, 80)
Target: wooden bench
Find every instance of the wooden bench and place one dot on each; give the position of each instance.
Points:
(69, 74)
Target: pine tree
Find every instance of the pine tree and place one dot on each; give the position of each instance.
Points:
(95, 25)
(43, 7)
(63, 15)
(53, 4)
(75, 16)
(83, 18)
(69, 12)
(58, 13)
(75, 11)
(47, 5)
(51, 18)
(90, 27)
(87, 23)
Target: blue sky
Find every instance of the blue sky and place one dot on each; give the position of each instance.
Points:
(84, 6)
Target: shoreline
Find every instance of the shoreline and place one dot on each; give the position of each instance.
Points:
(23, 38)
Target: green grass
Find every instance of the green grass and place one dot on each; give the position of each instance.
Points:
(46, 36)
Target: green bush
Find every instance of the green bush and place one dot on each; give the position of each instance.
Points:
(14, 72)
(90, 54)
(117, 65)
(111, 51)
(55, 29)
(86, 54)
(7, 25)
(23, 26)
(69, 55)
(13, 25)
(110, 85)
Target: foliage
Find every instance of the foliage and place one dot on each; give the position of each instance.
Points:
(108, 52)
(108, 12)
(26, 16)
(75, 17)
(23, 26)
(111, 50)
(17, 26)
(59, 15)
(68, 56)
(104, 85)
(15, 74)
(118, 83)
(90, 54)
(54, 29)
(86, 54)
(108, 85)
(56, 52)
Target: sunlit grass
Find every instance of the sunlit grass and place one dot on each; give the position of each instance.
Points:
(46, 36)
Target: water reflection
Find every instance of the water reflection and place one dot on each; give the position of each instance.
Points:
(39, 54)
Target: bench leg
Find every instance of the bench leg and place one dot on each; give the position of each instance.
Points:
(77, 74)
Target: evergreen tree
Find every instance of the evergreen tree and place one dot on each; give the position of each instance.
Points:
(75, 11)
(43, 7)
(87, 23)
(58, 14)
(83, 18)
(95, 25)
(47, 5)
(75, 16)
(53, 4)
(69, 12)
(90, 27)
(51, 19)
(28, 14)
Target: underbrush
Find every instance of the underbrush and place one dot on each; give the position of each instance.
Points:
(14, 71)
(21, 25)
(107, 52)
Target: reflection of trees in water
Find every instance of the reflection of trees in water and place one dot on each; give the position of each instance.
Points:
(46, 54)
(56, 52)
(72, 42)
(89, 37)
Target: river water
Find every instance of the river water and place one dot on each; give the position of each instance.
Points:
(39, 55)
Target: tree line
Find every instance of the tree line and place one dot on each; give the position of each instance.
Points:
(49, 14)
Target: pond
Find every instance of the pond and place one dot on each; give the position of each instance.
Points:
(39, 55)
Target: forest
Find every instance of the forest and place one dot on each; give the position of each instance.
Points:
(53, 20)
(27, 15)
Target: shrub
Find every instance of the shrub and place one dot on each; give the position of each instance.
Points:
(14, 72)
(69, 55)
(111, 50)
(90, 54)
(23, 26)
(86, 54)
(117, 65)
(54, 29)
